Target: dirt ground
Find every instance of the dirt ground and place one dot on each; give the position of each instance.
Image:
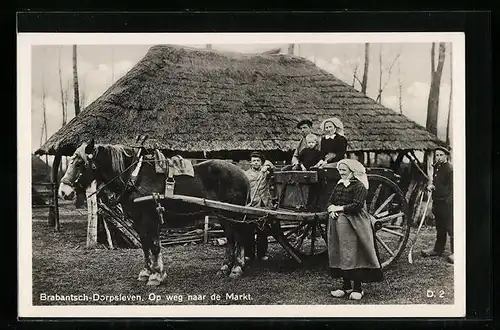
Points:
(63, 266)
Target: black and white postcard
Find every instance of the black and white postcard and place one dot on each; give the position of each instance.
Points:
(185, 175)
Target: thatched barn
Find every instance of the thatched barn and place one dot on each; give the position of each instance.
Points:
(40, 175)
(202, 103)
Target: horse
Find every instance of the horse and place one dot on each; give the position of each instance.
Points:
(111, 167)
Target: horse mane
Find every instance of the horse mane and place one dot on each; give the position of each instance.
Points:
(117, 152)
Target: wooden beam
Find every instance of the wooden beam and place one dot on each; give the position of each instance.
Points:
(243, 210)
(415, 161)
(54, 214)
(108, 234)
(205, 230)
(399, 160)
(92, 215)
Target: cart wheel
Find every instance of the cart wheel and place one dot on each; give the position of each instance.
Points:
(306, 238)
(389, 209)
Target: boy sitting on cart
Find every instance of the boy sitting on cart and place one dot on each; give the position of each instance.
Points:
(310, 157)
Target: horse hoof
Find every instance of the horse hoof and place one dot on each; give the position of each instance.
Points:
(154, 280)
(144, 275)
(223, 271)
(142, 278)
(236, 273)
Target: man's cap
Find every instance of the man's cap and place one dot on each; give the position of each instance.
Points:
(257, 154)
(304, 121)
(443, 149)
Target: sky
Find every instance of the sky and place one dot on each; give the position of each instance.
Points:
(101, 65)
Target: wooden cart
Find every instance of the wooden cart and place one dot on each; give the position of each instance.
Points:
(298, 217)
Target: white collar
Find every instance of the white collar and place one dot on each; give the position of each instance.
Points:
(345, 182)
(330, 136)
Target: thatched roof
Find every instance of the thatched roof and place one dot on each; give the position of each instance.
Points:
(203, 100)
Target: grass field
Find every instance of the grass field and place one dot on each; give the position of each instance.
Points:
(63, 266)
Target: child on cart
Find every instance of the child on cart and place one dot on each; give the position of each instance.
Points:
(310, 157)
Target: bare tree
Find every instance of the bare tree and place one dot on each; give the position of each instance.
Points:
(450, 103)
(44, 113)
(82, 98)
(63, 96)
(75, 82)
(364, 83)
(112, 66)
(355, 75)
(379, 95)
(389, 73)
(400, 87)
(433, 101)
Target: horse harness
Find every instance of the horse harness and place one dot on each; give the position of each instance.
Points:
(130, 185)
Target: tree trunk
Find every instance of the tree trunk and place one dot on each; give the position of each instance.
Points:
(112, 66)
(290, 49)
(433, 101)
(75, 82)
(354, 76)
(450, 104)
(44, 112)
(379, 96)
(365, 73)
(63, 103)
(400, 86)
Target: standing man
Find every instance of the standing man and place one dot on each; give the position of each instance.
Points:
(258, 175)
(305, 128)
(442, 203)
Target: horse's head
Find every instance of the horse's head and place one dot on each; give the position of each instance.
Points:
(103, 163)
(80, 172)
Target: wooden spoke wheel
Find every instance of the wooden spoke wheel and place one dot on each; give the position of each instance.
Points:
(388, 207)
(306, 238)
(390, 213)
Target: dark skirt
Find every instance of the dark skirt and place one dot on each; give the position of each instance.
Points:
(352, 251)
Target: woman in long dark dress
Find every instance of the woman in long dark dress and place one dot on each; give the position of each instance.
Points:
(351, 243)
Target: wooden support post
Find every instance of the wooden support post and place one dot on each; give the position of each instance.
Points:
(399, 160)
(361, 157)
(54, 208)
(108, 234)
(413, 158)
(205, 230)
(92, 215)
(429, 158)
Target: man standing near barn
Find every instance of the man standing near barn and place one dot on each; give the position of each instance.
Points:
(442, 203)
(258, 175)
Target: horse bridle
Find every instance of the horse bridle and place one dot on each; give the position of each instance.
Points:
(76, 182)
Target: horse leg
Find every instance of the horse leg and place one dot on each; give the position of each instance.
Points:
(239, 260)
(158, 272)
(249, 241)
(140, 227)
(228, 262)
(146, 271)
